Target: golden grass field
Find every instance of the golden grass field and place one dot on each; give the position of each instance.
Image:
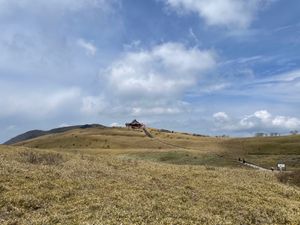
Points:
(120, 176)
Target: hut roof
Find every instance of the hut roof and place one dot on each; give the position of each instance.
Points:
(135, 122)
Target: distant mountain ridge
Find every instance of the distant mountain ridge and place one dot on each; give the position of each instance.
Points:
(38, 133)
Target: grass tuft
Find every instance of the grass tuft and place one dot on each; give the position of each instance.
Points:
(48, 158)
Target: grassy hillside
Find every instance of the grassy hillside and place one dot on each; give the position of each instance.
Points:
(38, 133)
(178, 148)
(267, 151)
(103, 138)
(104, 186)
(116, 138)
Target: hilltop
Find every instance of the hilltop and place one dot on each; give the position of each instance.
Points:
(171, 147)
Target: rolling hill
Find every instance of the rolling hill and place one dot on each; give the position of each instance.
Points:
(171, 147)
(38, 133)
(102, 175)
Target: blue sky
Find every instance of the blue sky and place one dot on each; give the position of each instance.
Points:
(212, 67)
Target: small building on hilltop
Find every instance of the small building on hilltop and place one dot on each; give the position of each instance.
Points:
(135, 125)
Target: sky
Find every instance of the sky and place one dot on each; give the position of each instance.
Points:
(209, 67)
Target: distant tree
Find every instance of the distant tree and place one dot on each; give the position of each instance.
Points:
(294, 132)
(259, 134)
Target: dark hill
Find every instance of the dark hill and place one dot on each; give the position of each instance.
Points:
(38, 133)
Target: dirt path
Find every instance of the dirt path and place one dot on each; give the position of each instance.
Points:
(148, 134)
(255, 166)
(163, 142)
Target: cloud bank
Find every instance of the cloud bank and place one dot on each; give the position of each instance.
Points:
(259, 121)
(7, 7)
(154, 81)
(228, 13)
(106, 61)
(165, 71)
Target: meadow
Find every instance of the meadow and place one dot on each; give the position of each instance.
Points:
(119, 176)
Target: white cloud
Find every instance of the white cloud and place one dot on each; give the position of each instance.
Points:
(214, 87)
(132, 46)
(34, 104)
(286, 77)
(38, 103)
(222, 121)
(264, 120)
(263, 115)
(136, 111)
(64, 125)
(41, 60)
(11, 127)
(164, 72)
(59, 98)
(7, 7)
(287, 122)
(259, 121)
(284, 87)
(153, 82)
(115, 124)
(229, 13)
(221, 117)
(93, 105)
(89, 48)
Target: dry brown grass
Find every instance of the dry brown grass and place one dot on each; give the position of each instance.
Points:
(266, 152)
(290, 177)
(41, 158)
(121, 138)
(102, 186)
(108, 138)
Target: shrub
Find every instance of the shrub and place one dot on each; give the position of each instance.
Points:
(290, 177)
(42, 158)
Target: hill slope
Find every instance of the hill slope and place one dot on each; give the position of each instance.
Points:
(121, 176)
(177, 148)
(114, 138)
(266, 151)
(65, 186)
(38, 133)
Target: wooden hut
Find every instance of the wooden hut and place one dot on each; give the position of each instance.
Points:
(135, 125)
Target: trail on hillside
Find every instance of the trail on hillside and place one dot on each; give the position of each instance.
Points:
(148, 134)
(252, 165)
(255, 166)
